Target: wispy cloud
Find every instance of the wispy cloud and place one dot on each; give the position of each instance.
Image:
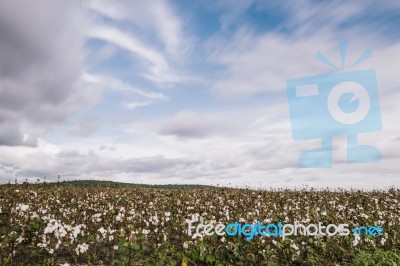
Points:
(135, 104)
(158, 64)
(116, 84)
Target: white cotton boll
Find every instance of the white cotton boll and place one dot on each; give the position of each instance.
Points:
(49, 229)
(101, 230)
(22, 207)
(356, 240)
(81, 248)
(58, 245)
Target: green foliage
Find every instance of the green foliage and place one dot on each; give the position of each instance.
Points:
(378, 257)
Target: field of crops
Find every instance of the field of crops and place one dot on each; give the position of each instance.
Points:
(67, 224)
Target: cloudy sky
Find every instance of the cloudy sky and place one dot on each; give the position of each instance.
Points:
(180, 91)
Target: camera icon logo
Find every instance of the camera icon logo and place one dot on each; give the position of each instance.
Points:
(337, 104)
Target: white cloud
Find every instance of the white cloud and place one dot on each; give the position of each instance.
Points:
(116, 84)
(41, 54)
(130, 43)
(159, 16)
(114, 10)
(46, 147)
(188, 124)
(44, 79)
(255, 62)
(156, 35)
(263, 63)
(135, 104)
(169, 27)
(85, 126)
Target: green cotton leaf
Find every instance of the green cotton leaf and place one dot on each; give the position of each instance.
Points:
(16, 228)
(210, 258)
(136, 247)
(161, 260)
(185, 261)
(4, 216)
(5, 229)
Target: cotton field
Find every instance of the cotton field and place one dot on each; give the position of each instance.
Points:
(49, 224)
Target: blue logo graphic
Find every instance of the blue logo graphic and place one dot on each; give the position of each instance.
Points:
(337, 104)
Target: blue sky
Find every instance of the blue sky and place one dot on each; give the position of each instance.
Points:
(184, 91)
